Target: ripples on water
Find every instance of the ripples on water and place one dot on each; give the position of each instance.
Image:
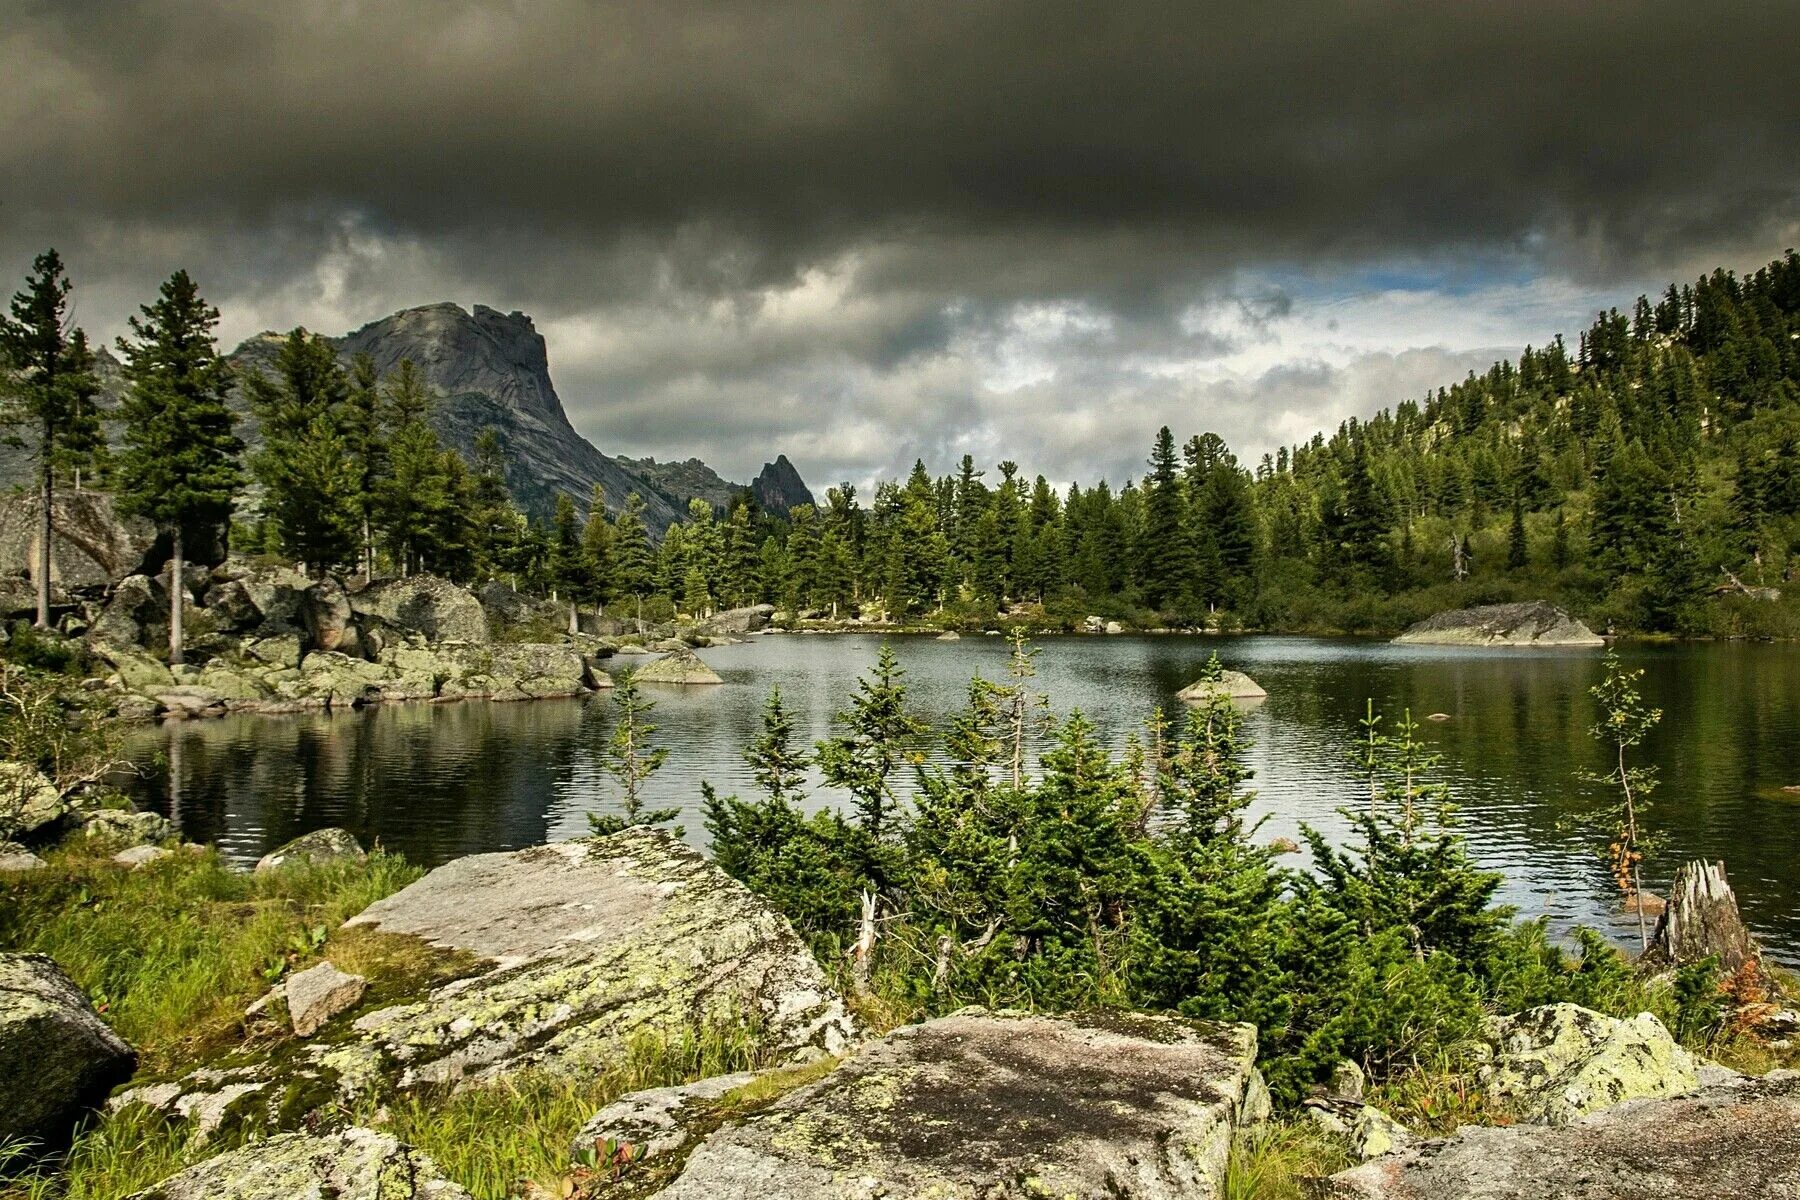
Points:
(437, 781)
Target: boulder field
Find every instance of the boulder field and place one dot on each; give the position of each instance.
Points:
(270, 639)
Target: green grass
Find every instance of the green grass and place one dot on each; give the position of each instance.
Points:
(1276, 1161)
(496, 1138)
(171, 953)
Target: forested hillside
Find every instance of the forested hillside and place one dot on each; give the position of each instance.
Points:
(1648, 478)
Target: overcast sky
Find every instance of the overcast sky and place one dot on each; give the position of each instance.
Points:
(864, 232)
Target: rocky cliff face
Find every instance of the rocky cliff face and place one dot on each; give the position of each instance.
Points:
(778, 487)
(490, 368)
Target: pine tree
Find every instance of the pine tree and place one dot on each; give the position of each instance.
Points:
(631, 541)
(1624, 721)
(738, 570)
(309, 478)
(48, 381)
(1166, 565)
(875, 738)
(566, 566)
(631, 760)
(1516, 552)
(365, 433)
(179, 467)
(599, 569)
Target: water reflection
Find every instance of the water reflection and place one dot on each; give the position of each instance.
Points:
(436, 781)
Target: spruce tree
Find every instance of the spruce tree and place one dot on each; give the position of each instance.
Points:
(365, 433)
(599, 571)
(636, 563)
(179, 467)
(47, 383)
(631, 760)
(308, 475)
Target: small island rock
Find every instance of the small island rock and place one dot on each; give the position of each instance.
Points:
(1233, 684)
(680, 666)
(1532, 623)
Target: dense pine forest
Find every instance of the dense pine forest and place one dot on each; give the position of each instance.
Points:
(1648, 479)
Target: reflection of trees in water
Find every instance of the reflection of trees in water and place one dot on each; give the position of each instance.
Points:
(434, 781)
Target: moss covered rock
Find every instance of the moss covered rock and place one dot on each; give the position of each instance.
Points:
(679, 666)
(982, 1104)
(57, 1057)
(351, 1164)
(1560, 1062)
(316, 848)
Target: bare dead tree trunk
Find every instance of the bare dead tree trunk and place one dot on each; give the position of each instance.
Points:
(1701, 920)
(862, 954)
(46, 496)
(176, 588)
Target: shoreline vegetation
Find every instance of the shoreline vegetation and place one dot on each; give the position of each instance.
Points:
(1126, 882)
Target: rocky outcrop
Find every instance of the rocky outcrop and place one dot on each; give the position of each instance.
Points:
(1739, 1140)
(15, 858)
(137, 614)
(1234, 685)
(259, 601)
(570, 952)
(508, 610)
(678, 666)
(90, 545)
(57, 1057)
(1533, 623)
(350, 1164)
(317, 848)
(435, 609)
(1558, 1063)
(984, 1104)
(739, 620)
(778, 487)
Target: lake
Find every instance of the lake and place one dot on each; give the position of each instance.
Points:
(434, 781)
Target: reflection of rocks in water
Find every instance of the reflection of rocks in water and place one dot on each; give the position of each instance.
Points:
(427, 781)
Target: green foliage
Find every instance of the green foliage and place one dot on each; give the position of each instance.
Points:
(630, 759)
(1624, 721)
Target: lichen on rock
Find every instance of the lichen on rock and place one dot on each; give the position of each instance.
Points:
(350, 1164)
(1560, 1062)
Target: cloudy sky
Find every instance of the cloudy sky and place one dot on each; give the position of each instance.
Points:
(863, 232)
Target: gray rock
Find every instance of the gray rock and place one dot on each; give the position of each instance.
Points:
(319, 993)
(1234, 685)
(678, 666)
(326, 611)
(139, 856)
(1348, 1081)
(136, 614)
(260, 601)
(982, 1104)
(57, 1057)
(138, 671)
(949, 635)
(123, 826)
(1534, 623)
(659, 1121)
(1560, 1062)
(1740, 1141)
(434, 608)
(14, 857)
(28, 800)
(340, 680)
(317, 848)
(92, 545)
(739, 620)
(595, 941)
(351, 1164)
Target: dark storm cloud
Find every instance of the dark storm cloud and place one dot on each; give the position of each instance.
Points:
(674, 165)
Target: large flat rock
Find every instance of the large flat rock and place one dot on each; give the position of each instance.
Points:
(1533, 623)
(1737, 1142)
(978, 1104)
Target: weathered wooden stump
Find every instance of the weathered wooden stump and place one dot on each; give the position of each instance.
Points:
(1701, 920)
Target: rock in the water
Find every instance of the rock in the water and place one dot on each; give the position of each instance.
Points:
(434, 608)
(351, 1164)
(139, 856)
(28, 801)
(1233, 684)
(1740, 1142)
(57, 1057)
(978, 1104)
(658, 1121)
(316, 848)
(123, 826)
(596, 941)
(1700, 920)
(1532, 623)
(1560, 1062)
(92, 545)
(681, 666)
(319, 993)
(14, 857)
(949, 635)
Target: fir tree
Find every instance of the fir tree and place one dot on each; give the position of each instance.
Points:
(309, 478)
(179, 467)
(631, 760)
(47, 384)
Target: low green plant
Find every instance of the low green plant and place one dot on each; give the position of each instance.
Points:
(1277, 1161)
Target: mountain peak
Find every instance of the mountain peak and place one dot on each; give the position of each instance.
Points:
(778, 487)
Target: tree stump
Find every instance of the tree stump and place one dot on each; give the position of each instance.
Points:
(1701, 920)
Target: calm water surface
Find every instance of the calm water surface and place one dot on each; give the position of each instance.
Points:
(437, 781)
